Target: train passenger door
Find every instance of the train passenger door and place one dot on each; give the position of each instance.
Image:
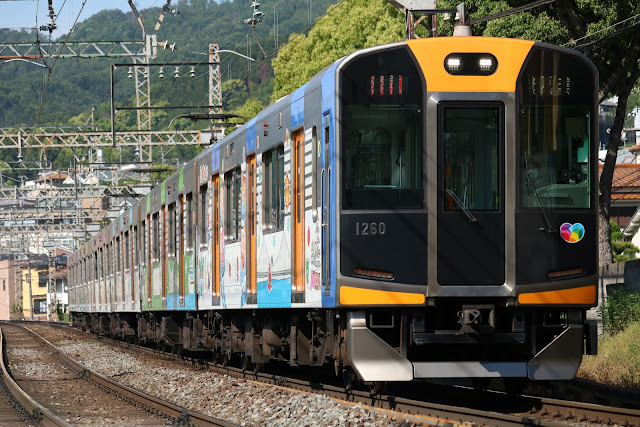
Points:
(326, 211)
(147, 230)
(216, 239)
(471, 228)
(164, 227)
(251, 226)
(298, 211)
(181, 247)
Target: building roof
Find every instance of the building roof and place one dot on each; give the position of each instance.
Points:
(59, 176)
(626, 182)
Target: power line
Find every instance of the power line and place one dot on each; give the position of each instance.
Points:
(511, 11)
(599, 31)
(260, 63)
(615, 33)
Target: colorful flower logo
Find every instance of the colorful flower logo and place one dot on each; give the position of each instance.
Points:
(572, 233)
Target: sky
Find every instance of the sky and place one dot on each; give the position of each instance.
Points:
(18, 14)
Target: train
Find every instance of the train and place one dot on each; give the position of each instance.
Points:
(417, 210)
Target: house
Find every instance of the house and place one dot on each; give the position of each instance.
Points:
(10, 290)
(39, 275)
(625, 200)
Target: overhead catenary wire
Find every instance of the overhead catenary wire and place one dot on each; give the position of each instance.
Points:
(50, 71)
(599, 31)
(258, 64)
(511, 11)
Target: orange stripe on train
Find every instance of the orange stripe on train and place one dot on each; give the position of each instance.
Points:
(583, 295)
(431, 53)
(360, 296)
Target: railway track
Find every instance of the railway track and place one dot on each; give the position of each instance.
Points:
(56, 390)
(437, 403)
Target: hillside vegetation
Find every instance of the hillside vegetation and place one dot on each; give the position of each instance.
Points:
(76, 86)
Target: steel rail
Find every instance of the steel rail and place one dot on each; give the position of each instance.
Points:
(588, 412)
(561, 411)
(35, 409)
(419, 411)
(167, 408)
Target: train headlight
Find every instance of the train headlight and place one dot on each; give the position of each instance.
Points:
(485, 64)
(453, 64)
(471, 64)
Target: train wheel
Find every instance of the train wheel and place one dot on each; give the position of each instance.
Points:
(349, 377)
(378, 387)
(515, 385)
(480, 383)
(258, 367)
(245, 362)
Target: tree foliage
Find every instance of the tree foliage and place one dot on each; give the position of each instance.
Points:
(352, 25)
(75, 86)
(622, 249)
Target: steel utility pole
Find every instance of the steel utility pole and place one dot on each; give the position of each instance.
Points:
(419, 12)
(215, 90)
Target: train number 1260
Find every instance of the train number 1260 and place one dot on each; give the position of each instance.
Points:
(370, 228)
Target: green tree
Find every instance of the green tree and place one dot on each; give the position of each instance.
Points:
(352, 25)
(622, 249)
(591, 27)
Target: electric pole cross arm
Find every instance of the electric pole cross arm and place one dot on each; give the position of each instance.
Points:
(99, 139)
(67, 193)
(101, 49)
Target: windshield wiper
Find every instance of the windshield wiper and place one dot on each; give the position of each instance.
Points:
(462, 206)
(543, 208)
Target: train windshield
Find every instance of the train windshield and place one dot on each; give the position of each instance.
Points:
(382, 150)
(556, 103)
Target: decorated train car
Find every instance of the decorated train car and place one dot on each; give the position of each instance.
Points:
(420, 209)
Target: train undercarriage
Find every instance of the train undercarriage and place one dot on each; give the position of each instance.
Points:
(447, 340)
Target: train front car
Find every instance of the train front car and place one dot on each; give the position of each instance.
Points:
(467, 206)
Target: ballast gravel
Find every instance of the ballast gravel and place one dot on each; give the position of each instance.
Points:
(237, 401)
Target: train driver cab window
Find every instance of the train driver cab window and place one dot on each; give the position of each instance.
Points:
(273, 189)
(382, 135)
(556, 107)
(471, 147)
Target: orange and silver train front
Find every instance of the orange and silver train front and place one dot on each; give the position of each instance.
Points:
(467, 208)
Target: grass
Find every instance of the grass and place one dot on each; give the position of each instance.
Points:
(618, 360)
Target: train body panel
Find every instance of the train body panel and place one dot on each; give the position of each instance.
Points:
(419, 209)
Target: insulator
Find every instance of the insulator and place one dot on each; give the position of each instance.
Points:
(161, 73)
(177, 73)
(192, 73)
(130, 73)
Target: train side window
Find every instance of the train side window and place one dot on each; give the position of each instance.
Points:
(144, 243)
(314, 173)
(136, 250)
(273, 189)
(155, 236)
(101, 259)
(95, 266)
(204, 216)
(127, 250)
(172, 231)
(232, 206)
(189, 215)
(118, 255)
